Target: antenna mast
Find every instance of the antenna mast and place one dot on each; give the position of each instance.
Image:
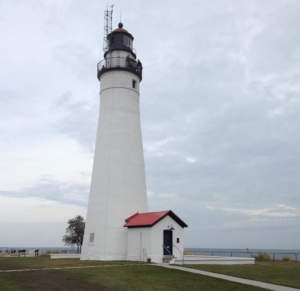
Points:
(107, 26)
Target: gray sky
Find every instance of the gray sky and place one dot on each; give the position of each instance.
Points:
(219, 106)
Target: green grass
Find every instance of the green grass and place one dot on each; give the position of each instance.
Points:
(44, 262)
(149, 278)
(279, 273)
(137, 277)
(8, 285)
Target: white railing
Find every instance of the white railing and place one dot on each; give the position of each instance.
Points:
(181, 253)
(167, 250)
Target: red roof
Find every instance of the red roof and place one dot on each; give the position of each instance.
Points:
(121, 29)
(151, 218)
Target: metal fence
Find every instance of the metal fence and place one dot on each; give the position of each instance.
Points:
(47, 251)
(70, 252)
(275, 256)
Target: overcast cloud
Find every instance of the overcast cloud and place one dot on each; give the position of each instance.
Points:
(220, 103)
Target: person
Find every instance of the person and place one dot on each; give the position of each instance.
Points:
(132, 64)
(127, 61)
(139, 67)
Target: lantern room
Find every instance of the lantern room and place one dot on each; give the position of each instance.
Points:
(120, 39)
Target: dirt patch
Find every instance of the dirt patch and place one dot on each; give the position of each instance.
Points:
(5, 266)
(52, 281)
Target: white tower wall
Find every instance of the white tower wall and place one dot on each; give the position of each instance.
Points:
(118, 188)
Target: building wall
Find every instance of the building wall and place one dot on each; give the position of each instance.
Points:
(157, 239)
(152, 241)
(118, 187)
(139, 244)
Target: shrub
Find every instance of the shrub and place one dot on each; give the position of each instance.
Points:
(186, 253)
(285, 258)
(48, 251)
(262, 257)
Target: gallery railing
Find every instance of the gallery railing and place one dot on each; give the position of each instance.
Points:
(119, 62)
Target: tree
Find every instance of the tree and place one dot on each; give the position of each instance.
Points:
(75, 232)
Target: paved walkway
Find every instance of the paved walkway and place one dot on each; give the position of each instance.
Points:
(62, 268)
(230, 278)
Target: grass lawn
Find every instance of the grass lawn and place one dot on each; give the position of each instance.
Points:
(45, 262)
(10, 285)
(148, 278)
(120, 278)
(280, 273)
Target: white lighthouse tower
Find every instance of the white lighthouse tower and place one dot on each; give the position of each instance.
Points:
(118, 187)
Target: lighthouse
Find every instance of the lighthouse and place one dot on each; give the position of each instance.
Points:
(118, 186)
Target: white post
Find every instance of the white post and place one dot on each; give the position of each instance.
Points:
(140, 246)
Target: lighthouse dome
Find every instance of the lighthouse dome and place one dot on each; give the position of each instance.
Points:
(120, 39)
(120, 29)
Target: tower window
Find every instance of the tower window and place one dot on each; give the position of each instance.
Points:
(178, 240)
(92, 237)
(133, 84)
(126, 40)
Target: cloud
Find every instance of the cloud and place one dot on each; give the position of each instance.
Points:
(150, 194)
(38, 221)
(275, 212)
(47, 188)
(27, 160)
(78, 119)
(34, 209)
(219, 110)
(166, 195)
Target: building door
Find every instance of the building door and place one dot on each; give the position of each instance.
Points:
(168, 242)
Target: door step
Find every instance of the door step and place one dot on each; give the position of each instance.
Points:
(167, 259)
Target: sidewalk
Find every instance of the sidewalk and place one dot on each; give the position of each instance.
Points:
(63, 268)
(230, 278)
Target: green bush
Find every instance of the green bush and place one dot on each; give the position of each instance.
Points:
(186, 253)
(285, 259)
(47, 252)
(262, 257)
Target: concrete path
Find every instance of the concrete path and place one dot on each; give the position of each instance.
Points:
(62, 268)
(230, 278)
